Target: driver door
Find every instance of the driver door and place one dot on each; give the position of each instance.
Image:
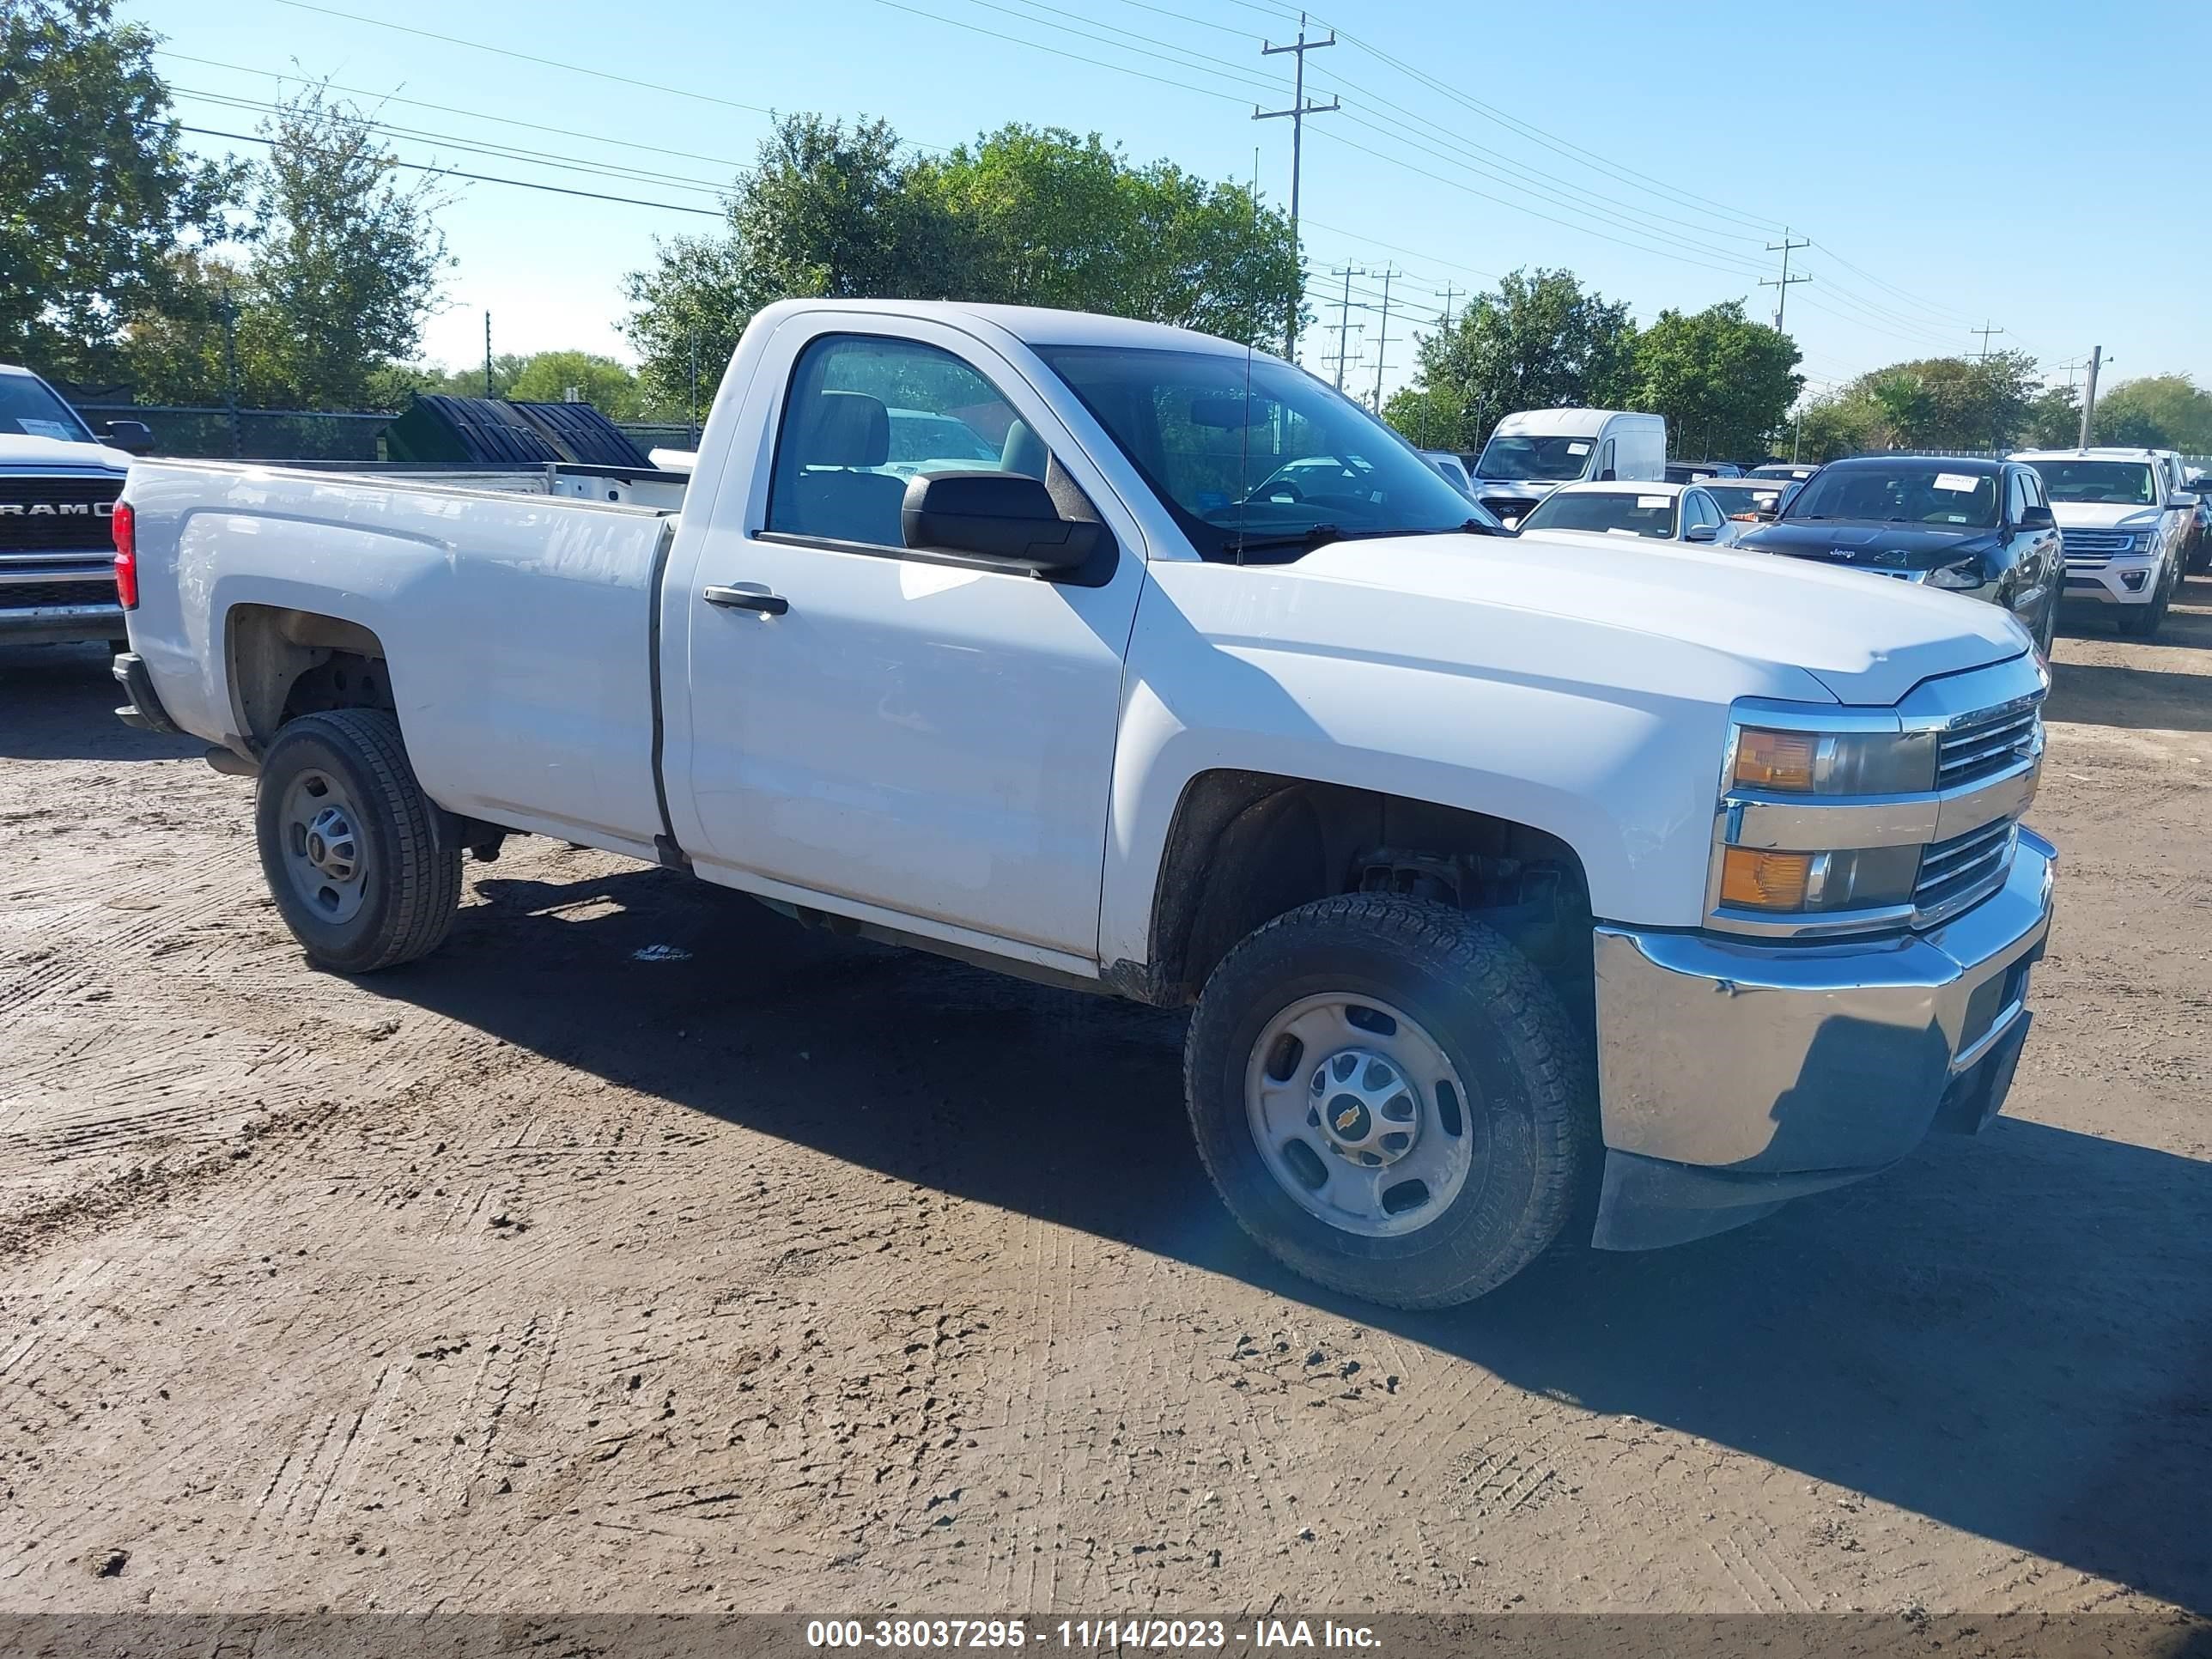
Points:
(909, 737)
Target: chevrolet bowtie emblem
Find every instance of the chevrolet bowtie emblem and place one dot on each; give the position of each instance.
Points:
(1346, 1119)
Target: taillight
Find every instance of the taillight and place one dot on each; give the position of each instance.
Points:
(125, 525)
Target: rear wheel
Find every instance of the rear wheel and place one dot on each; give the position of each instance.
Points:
(365, 869)
(1391, 1099)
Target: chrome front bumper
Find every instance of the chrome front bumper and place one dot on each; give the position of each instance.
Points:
(2122, 579)
(1735, 1074)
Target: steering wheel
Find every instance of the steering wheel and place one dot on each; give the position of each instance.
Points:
(1284, 489)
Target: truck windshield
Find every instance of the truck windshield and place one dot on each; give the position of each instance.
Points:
(1252, 453)
(29, 407)
(1921, 492)
(2122, 484)
(1529, 456)
(1622, 512)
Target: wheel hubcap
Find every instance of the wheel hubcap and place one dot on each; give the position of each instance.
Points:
(1358, 1115)
(325, 856)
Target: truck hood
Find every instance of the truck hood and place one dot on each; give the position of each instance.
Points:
(2103, 515)
(1793, 630)
(1527, 489)
(1868, 544)
(21, 453)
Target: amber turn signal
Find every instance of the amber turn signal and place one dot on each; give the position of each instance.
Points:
(1752, 879)
(1774, 760)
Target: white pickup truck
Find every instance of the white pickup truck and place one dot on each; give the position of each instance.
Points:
(1514, 882)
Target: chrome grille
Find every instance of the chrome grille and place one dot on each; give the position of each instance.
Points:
(1981, 750)
(1954, 874)
(2094, 547)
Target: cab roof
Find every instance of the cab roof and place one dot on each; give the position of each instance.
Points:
(1037, 325)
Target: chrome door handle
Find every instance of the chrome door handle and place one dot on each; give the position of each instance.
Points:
(748, 597)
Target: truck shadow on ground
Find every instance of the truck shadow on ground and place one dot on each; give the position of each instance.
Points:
(2119, 693)
(2011, 1334)
(58, 702)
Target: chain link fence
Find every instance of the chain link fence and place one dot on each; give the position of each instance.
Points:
(196, 432)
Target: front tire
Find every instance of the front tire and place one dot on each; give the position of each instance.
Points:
(365, 869)
(1390, 1099)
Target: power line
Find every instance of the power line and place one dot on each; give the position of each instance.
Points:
(450, 109)
(1985, 330)
(455, 172)
(503, 152)
(527, 58)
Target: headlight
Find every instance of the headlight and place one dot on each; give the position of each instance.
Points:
(1833, 763)
(1802, 884)
(1967, 573)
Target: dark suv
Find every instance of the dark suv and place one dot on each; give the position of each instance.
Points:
(1980, 529)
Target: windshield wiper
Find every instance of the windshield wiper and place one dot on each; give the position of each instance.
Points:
(1320, 535)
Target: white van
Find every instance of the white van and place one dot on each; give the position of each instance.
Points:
(1532, 454)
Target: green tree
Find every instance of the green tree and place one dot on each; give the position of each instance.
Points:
(97, 195)
(609, 387)
(1537, 341)
(345, 264)
(1723, 382)
(2054, 419)
(2160, 411)
(1049, 218)
(1023, 215)
(390, 385)
(1932, 403)
(827, 210)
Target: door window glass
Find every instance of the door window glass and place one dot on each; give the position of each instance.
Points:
(864, 415)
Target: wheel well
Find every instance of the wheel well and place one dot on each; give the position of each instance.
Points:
(286, 663)
(1246, 847)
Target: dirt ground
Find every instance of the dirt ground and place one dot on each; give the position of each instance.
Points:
(793, 1274)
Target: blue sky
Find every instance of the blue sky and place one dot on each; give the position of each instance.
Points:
(2036, 166)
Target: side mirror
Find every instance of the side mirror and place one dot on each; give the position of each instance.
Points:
(2038, 517)
(997, 515)
(1701, 532)
(1607, 476)
(135, 437)
(2178, 503)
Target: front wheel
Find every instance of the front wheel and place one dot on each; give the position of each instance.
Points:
(366, 869)
(1391, 1099)
(2142, 622)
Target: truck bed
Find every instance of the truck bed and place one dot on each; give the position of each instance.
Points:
(519, 627)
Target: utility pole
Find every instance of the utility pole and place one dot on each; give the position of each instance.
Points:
(1344, 317)
(487, 354)
(2089, 394)
(1383, 342)
(1298, 112)
(1443, 323)
(1781, 285)
(694, 334)
(1985, 330)
(230, 372)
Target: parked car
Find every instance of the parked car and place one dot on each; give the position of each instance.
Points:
(1656, 512)
(1699, 472)
(1751, 501)
(2126, 522)
(1454, 469)
(1421, 823)
(59, 481)
(1790, 469)
(2199, 558)
(1534, 452)
(1977, 528)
